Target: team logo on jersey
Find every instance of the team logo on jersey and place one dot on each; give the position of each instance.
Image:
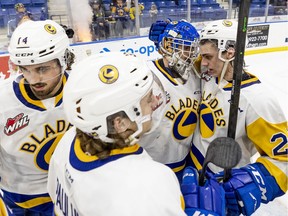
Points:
(184, 116)
(15, 124)
(43, 145)
(185, 124)
(211, 116)
(50, 29)
(108, 74)
(207, 126)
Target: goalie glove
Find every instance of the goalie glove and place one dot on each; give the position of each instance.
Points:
(202, 200)
(157, 29)
(248, 187)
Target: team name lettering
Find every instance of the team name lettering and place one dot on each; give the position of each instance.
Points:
(217, 112)
(61, 126)
(63, 203)
(183, 104)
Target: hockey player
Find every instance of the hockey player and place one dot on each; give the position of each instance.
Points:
(170, 142)
(32, 117)
(98, 168)
(257, 129)
(261, 124)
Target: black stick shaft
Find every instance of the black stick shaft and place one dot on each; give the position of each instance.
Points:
(238, 66)
(237, 75)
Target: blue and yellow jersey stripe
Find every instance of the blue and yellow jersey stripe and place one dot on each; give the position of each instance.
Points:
(82, 162)
(39, 202)
(165, 72)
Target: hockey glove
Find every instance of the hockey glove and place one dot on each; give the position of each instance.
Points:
(157, 29)
(248, 187)
(202, 200)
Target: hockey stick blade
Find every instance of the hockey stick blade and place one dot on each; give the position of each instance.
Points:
(224, 152)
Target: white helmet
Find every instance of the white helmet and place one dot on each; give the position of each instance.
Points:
(35, 42)
(104, 84)
(224, 31)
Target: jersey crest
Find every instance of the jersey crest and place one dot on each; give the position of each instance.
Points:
(211, 116)
(184, 117)
(43, 147)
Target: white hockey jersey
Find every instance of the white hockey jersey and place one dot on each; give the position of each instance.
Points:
(170, 142)
(30, 129)
(261, 125)
(127, 183)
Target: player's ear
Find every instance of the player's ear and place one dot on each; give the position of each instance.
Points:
(120, 124)
(230, 52)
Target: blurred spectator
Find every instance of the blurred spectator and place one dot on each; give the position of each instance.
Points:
(43, 15)
(281, 2)
(120, 13)
(153, 13)
(132, 13)
(235, 3)
(280, 7)
(22, 15)
(100, 25)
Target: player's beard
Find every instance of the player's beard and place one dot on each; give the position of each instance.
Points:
(46, 92)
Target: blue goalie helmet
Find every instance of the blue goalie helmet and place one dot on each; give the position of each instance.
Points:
(179, 44)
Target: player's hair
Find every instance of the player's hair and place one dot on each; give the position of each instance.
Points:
(70, 60)
(94, 146)
(213, 41)
(221, 32)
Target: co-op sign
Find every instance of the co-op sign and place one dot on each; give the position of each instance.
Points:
(141, 46)
(143, 50)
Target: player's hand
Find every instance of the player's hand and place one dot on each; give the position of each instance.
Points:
(157, 29)
(202, 200)
(248, 187)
